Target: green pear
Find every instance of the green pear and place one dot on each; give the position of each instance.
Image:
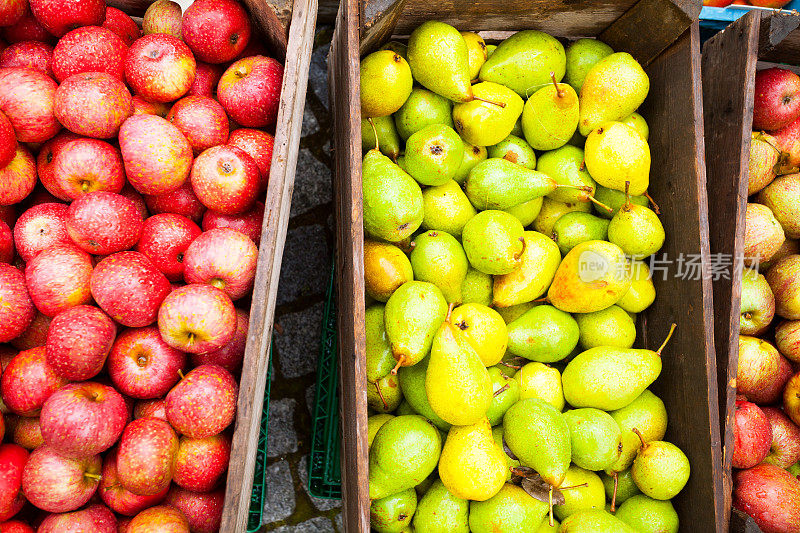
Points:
(610, 327)
(374, 423)
(393, 513)
(594, 275)
(497, 435)
(647, 515)
(510, 314)
(794, 469)
(552, 210)
(422, 108)
(433, 154)
(612, 89)
(506, 393)
(543, 334)
(524, 62)
(484, 330)
(457, 383)
(637, 230)
(392, 199)
(438, 258)
(582, 55)
(565, 166)
(412, 382)
(477, 52)
(594, 521)
(439, 60)
(642, 292)
(516, 150)
(446, 208)
(439, 511)
(422, 487)
(384, 395)
(537, 380)
(637, 122)
(493, 242)
(380, 360)
(388, 139)
(472, 466)
(401, 162)
(405, 408)
(539, 262)
(397, 47)
(386, 267)
(586, 492)
(499, 184)
(595, 437)
(490, 48)
(538, 435)
(614, 199)
(412, 316)
(615, 155)
(619, 487)
(550, 116)
(547, 528)
(477, 288)
(490, 116)
(405, 451)
(648, 416)
(517, 131)
(511, 510)
(660, 470)
(526, 212)
(385, 83)
(472, 156)
(577, 140)
(576, 227)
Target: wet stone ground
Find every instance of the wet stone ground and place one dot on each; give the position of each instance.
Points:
(288, 507)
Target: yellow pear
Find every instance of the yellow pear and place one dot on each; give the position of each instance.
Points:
(472, 465)
(642, 292)
(386, 267)
(484, 329)
(539, 262)
(537, 380)
(615, 154)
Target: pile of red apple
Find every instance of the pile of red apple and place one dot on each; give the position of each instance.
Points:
(767, 418)
(133, 170)
(774, 4)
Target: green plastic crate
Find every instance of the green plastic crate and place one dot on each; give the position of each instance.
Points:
(256, 511)
(324, 470)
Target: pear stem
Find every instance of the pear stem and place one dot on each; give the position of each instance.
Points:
(550, 503)
(559, 90)
(669, 336)
(400, 362)
(598, 203)
(500, 391)
(449, 311)
(574, 486)
(614, 495)
(543, 300)
(627, 205)
(380, 393)
(375, 132)
(655, 205)
(509, 365)
(498, 104)
(641, 437)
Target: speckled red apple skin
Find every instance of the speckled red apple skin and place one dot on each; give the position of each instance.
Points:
(8, 214)
(27, 29)
(40, 227)
(61, 16)
(16, 526)
(28, 433)
(146, 456)
(216, 30)
(202, 462)
(18, 178)
(8, 140)
(163, 16)
(11, 12)
(35, 335)
(28, 54)
(259, 145)
(162, 518)
(88, 165)
(165, 238)
(225, 179)
(250, 91)
(128, 287)
(6, 243)
(249, 222)
(78, 342)
(157, 156)
(89, 49)
(12, 463)
(197, 319)
(206, 78)
(142, 365)
(224, 258)
(155, 408)
(103, 223)
(202, 510)
(58, 278)
(28, 381)
(118, 498)
(95, 518)
(231, 355)
(182, 201)
(141, 106)
(57, 484)
(138, 200)
(122, 25)
(203, 403)
(17, 310)
(202, 121)
(94, 104)
(160, 67)
(27, 97)
(46, 159)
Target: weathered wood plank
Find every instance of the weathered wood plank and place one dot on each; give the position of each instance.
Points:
(379, 18)
(779, 39)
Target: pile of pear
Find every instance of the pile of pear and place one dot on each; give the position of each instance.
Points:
(506, 223)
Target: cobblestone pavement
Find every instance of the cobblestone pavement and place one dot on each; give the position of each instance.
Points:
(289, 508)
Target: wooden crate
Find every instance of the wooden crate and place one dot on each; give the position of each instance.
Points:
(730, 59)
(663, 36)
(291, 39)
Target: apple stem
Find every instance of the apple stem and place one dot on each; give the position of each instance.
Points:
(669, 336)
(498, 104)
(96, 477)
(399, 364)
(655, 205)
(614, 495)
(500, 391)
(375, 132)
(559, 90)
(550, 504)
(380, 393)
(180, 373)
(641, 437)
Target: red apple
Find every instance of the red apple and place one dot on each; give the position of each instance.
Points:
(182, 201)
(95, 518)
(123, 525)
(128, 287)
(89, 49)
(141, 106)
(772, 4)
(784, 281)
(27, 97)
(58, 278)
(160, 67)
(83, 419)
(770, 495)
(202, 462)
(202, 510)
(6, 243)
(94, 104)
(791, 398)
(103, 222)
(138, 200)
(250, 91)
(165, 238)
(122, 25)
(12, 463)
(777, 99)
(157, 156)
(231, 355)
(197, 319)
(757, 305)
(785, 439)
(225, 179)
(87, 165)
(258, 144)
(59, 17)
(27, 29)
(216, 30)
(117, 497)
(8, 214)
(717, 3)
(46, 159)
(752, 435)
(39, 228)
(253, 48)
(8, 141)
(11, 12)
(18, 178)
(202, 120)
(224, 258)
(787, 339)
(163, 16)
(35, 335)
(28, 54)
(162, 518)
(28, 381)
(78, 342)
(28, 432)
(146, 456)
(249, 223)
(142, 365)
(15, 526)
(151, 408)
(17, 311)
(206, 78)
(203, 403)
(762, 371)
(58, 484)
